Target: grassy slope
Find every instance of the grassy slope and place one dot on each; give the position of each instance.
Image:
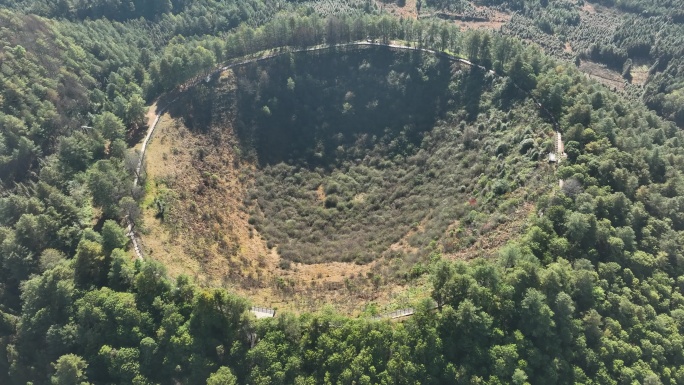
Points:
(210, 192)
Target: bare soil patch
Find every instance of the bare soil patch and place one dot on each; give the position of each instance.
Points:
(588, 8)
(408, 11)
(568, 47)
(196, 223)
(496, 20)
(640, 73)
(602, 74)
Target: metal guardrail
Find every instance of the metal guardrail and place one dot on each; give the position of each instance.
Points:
(138, 169)
(262, 312)
(395, 314)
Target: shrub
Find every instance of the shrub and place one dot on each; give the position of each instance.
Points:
(500, 187)
(285, 264)
(526, 145)
(331, 201)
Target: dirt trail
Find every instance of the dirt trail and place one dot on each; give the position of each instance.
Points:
(152, 120)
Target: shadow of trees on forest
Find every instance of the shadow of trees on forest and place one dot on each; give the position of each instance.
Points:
(304, 108)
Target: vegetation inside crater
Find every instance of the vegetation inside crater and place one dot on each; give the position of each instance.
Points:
(578, 271)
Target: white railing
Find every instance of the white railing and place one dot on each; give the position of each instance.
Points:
(262, 312)
(395, 314)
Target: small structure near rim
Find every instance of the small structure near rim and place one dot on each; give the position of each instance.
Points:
(262, 312)
(395, 314)
(552, 157)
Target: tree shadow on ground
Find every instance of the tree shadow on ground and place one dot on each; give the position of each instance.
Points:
(310, 108)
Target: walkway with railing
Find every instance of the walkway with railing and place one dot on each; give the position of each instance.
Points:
(395, 314)
(262, 312)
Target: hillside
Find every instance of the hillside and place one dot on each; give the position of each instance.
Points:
(337, 184)
(634, 47)
(286, 164)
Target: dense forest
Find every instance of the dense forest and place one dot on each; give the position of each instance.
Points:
(622, 35)
(588, 292)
